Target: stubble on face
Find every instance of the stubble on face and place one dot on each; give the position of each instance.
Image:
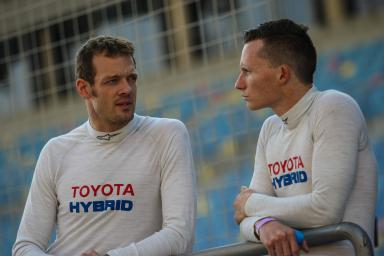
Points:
(113, 106)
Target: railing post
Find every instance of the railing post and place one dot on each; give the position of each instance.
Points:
(338, 232)
(315, 237)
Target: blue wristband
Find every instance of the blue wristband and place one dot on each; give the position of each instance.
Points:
(299, 237)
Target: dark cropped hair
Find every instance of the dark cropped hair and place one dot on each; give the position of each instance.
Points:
(286, 42)
(106, 45)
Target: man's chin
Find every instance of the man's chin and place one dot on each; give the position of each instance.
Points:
(125, 118)
(252, 107)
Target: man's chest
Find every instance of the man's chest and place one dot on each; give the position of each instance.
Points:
(289, 160)
(107, 181)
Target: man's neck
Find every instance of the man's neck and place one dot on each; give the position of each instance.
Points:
(292, 95)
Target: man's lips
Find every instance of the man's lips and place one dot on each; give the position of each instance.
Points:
(124, 103)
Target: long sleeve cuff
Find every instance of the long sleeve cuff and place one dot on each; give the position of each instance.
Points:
(247, 228)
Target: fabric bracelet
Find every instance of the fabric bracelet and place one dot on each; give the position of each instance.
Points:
(261, 222)
(299, 237)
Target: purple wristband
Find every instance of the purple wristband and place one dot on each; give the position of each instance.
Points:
(261, 222)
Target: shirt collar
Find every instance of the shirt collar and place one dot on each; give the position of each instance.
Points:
(115, 136)
(293, 116)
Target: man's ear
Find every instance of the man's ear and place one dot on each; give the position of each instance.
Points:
(284, 74)
(83, 88)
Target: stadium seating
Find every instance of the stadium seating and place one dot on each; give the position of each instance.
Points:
(216, 121)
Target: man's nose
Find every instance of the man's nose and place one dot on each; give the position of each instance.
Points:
(126, 87)
(239, 84)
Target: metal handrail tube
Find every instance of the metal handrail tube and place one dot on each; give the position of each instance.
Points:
(314, 237)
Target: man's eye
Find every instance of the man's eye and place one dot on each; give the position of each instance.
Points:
(111, 81)
(133, 78)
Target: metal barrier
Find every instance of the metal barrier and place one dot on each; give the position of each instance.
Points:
(314, 237)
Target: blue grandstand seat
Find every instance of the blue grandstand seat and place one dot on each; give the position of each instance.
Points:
(216, 201)
(365, 83)
(209, 149)
(233, 228)
(238, 119)
(182, 101)
(2, 158)
(200, 101)
(202, 231)
(211, 231)
(207, 131)
(8, 227)
(245, 174)
(221, 223)
(375, 103)
(230, 191)
(254, 121)
(222, 126)
(186, 109)
(217, 222)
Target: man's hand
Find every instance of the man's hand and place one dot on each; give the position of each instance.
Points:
(279, 239)
(239, 203)
(90, 253)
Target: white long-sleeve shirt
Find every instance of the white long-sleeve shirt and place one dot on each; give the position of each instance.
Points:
(314, 167)
(128, 192)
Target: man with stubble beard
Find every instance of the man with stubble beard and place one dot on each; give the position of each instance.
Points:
(119, 184)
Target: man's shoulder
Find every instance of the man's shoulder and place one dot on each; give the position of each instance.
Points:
(331, 98)
(69, 138)
(160, 129)
(271, 125)
(336, 104)
(151, 122)
(272, 121)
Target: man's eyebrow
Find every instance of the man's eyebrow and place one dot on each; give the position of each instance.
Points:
(111, 76)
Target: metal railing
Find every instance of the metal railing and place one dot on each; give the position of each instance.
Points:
(314, 237)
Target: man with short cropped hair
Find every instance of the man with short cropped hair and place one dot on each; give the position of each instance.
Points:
(314, 165)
